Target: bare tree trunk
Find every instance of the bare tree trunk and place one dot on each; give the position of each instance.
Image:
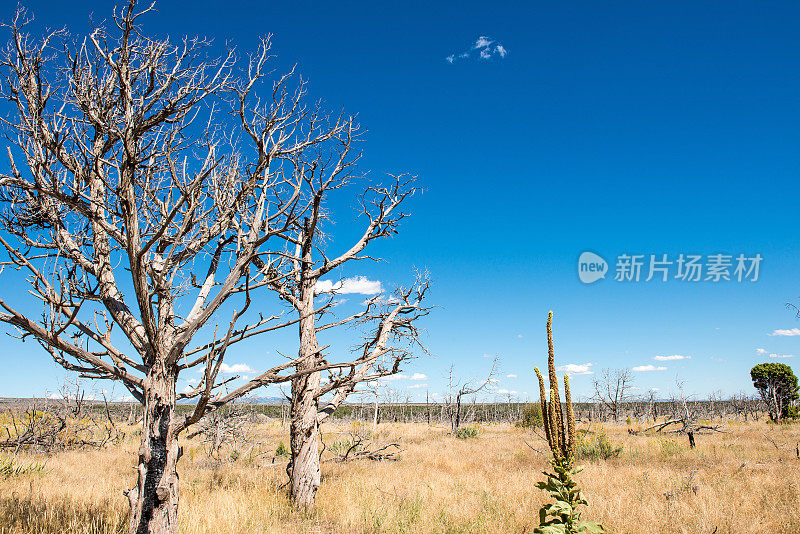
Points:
(777, 403)
(154, 500)
(427, 408)
(304, 437)
(304, 429)
(375, 415)
(457, 414)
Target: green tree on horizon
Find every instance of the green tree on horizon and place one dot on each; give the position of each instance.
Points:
(777, 385)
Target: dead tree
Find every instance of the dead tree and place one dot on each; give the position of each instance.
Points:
(359, 451)
(391, 318)
(745, 405)
(65, 423)
(231, 429)
(684, 418)
(39, 427)
(457, 391)
(612, 389)
(146, 192)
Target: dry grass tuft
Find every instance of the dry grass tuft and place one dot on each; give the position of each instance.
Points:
(36, 515)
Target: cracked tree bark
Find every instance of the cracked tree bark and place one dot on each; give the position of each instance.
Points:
(154, 500)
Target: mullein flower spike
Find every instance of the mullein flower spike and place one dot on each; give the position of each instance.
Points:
(560, 437)
(564, 516)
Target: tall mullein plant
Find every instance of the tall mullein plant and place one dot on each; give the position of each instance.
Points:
(563, 516)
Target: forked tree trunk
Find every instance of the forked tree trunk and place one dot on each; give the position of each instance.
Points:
(305, 469)
(154, 500)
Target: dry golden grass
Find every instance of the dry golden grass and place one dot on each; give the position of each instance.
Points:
(731, 483)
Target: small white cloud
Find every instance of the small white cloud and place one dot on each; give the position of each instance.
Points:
(773, 355)
(193, 380)
(359, 284)
(519, 336)
(488, 355)
(482, 42)
(236, 368)
(493, 381)
(505, 392)
(417, 386)
(717, 359)
(575, 369)
(790, 332)
(188, 389)
(401, 376)
(380, 300)
(654, 389)
(511, 376)
(485, 47)
(647, 368)
(398, 376)
(671, 358)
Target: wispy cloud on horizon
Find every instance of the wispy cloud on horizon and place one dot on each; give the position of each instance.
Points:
(575, 369)
(671, 358)
(401, 376)
(772, 354)
(647, 368)
(483, 48)
(785, 332)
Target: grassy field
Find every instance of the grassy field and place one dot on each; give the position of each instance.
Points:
(745, 480)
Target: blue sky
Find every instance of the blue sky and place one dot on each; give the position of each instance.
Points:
(638, 127)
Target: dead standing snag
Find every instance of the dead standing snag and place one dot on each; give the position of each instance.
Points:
(146, 192)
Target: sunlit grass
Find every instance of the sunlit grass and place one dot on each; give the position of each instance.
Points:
(732, 482)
